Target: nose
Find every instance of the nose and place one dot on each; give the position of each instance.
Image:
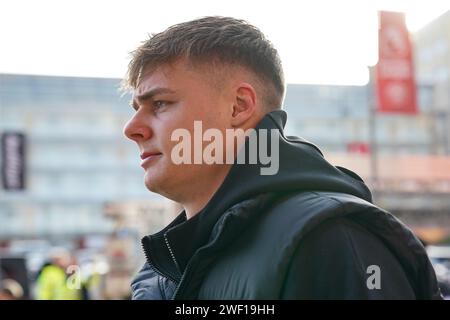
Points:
(137, 128)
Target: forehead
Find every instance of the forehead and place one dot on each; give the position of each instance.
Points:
(156, 77)
(178, 76)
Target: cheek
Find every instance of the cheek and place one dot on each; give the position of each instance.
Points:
(164, 136)
(214, 117)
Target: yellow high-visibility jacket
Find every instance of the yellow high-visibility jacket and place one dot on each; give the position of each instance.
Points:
(52, 285)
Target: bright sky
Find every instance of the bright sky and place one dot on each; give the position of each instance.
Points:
(330, 42)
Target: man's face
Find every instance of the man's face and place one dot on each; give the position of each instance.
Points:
(169, 98)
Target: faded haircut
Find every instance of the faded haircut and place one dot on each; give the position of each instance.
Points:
(220, 41)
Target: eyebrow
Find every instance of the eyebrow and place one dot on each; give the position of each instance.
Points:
(147, 95)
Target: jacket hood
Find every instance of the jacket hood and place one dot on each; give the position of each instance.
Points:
(301, 167)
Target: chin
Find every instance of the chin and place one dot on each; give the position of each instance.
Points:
(159, 184)
(151, 181)
(156, 182)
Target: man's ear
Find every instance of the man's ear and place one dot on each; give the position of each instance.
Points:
(244, 105)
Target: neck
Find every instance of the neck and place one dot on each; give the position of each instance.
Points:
(199, 196)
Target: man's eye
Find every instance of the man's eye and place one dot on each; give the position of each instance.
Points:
(159, 104)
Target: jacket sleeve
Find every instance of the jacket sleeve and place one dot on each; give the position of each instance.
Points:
(339, 259)
(148, 285)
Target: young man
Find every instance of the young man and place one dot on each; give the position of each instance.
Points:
(285, 226)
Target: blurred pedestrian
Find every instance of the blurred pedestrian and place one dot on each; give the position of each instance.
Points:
(53, 281)
(10, 289)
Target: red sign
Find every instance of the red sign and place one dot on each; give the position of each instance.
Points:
(358, 147)
(396, 88)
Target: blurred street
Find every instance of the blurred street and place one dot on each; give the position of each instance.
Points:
(73, 205)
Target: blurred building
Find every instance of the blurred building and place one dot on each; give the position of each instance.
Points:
(337, 119)
(413, 182)
(83, 177)
(78, 163)
(413, 163)
(432, 61)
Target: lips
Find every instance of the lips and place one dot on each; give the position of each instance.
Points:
(147, 157)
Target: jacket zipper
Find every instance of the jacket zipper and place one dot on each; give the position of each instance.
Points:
(171, 253)
(182, 282)
(159, 272)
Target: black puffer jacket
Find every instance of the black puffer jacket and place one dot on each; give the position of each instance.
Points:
(308, 232)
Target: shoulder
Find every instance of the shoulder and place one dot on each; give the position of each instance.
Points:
(322, 201)
(296, 214)
(338, 259)
(52, 271)
(149, 285)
